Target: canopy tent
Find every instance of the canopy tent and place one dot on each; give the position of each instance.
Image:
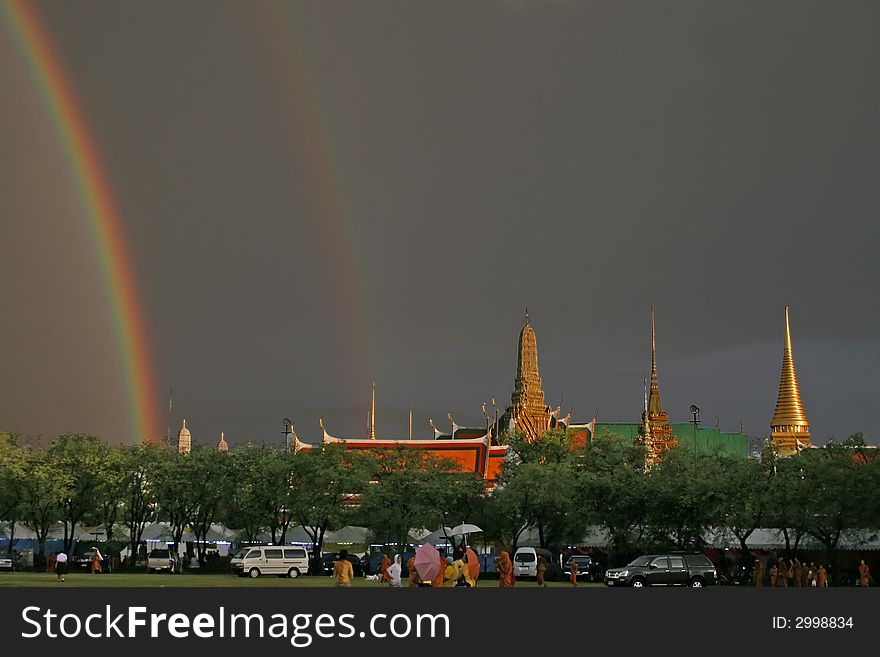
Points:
(348, 536)
(440, 536)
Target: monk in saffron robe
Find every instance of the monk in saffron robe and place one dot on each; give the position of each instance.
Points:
(506, 579)
(758, 574)
(864, 574)
(540, 569)
(438, 580)
(796, 572)
(383, 569)
(413, 575)
(574, 573)
(774, 574)
(822, 577)
(782, 579)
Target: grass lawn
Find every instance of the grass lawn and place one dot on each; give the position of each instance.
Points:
(161, 580)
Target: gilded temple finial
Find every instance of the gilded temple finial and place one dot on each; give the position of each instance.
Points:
(373, 414)
(789, 425)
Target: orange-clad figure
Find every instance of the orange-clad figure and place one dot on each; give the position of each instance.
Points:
(822, 577)
(540, 569)
(782, 574)
(438, 580)
(343, 572)
(383, 569)
(864, 574)
(97, 558)
(574, 573)
(758, 574)
(413, 575)
(506, 580)
(796, 575)
(774, 574)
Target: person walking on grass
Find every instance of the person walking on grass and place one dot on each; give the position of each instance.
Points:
(574, 573)
(97, 558)
(61, 565)
(540, 569)
(394, 571)
(342, 570)
(758, 574)
(864, 575)
(822, 577)
(383, 569)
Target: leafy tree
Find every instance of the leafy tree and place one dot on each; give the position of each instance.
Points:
(175, 501)
(44, 490)
(244, 509)
(12, 474)
(141, 468)
(415, 490)
(80, 458)
(331, 481)
(209, 479)
(110, 494)
(612, 491)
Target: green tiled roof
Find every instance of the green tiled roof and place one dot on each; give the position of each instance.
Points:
(708, 440)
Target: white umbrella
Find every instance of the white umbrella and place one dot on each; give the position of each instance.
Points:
(463, 529)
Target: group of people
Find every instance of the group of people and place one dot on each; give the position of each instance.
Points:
(782, 574)
(453, 571)
(58, 562)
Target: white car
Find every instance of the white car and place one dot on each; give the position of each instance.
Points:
(271, 560)
(6, 564)
(159, 560)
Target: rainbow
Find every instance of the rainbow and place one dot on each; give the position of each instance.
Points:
(100, 208)
(312, 141)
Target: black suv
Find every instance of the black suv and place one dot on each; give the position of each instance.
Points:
(673, 569)
(327, 561)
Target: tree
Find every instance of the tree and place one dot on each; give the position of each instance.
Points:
(80, 458)
(243, 508)
(110, 494)
(175, 501)
(12, 474)
(612, 491)
(209, 472)
(44, 489)
(141, 468)
(331, 483)
(415, 490)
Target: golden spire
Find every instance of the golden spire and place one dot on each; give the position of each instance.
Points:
(789, 411)
(373, 414)
(410, 421)
(654, 405)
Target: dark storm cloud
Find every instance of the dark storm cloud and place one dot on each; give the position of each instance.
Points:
(584, 159)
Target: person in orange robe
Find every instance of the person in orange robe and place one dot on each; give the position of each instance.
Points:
(822, 577)
(438, 580)
(413, 575)
(540, 569)
(864, 574)
(758, 574)
(574, 573)
(383, 569)
(506, 579)
(97, 558)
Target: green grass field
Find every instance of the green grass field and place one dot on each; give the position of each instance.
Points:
(76, 580)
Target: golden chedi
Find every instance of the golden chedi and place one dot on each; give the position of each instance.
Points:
(790, 430)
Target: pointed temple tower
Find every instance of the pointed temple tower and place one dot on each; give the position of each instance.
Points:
(222, 446)
(527, 413)
(655, 430)
(184, 440)
(789, 426)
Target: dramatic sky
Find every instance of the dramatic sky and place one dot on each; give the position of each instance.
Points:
(318, 195)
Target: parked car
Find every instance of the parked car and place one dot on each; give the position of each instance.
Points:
(329, 558)
(525, 563)
(271, 560)
(159, 560)
(6, 563)
(675, 569)
(585, 566)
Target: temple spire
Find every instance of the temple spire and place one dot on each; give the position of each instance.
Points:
(373, 414)
(654, 404)
(528, 411)
(790, 428)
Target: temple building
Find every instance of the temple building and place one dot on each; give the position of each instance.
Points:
(184, 440)
(528, 413)
(655, 430)
(790, 430)
(221, 445)
(468, 449)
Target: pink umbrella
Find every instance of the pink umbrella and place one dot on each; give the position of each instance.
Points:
(427, 562)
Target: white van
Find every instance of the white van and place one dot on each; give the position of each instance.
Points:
(525, 561)
(271, 560)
